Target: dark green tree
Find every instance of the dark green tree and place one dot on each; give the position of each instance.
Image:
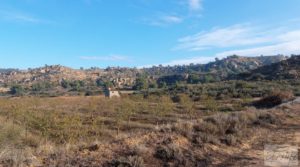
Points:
(193, 79)
(17, 90)
(65, 84)
(141, 84)
(153, 85)
(208, 78)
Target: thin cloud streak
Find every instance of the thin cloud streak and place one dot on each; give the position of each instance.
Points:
(233, 36)
(105, 58)
(21, 17)
(195, 5)
(163, 20)
(286, 48)
(194, 60)
(285, 42)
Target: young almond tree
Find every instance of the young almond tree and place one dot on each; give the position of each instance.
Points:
(124, 111)
(211, 104)
(127, 108)
(164, 106)
(188, 105)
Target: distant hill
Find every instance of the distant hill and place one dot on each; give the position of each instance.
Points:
(237, 64)
(286, 69)
(3, 70)
(126, 77)
(230, 65)
(47, 73)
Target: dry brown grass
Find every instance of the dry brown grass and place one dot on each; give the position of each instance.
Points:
(88, 131)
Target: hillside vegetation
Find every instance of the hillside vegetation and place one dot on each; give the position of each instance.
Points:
(217, 114)
(287, 69)
(56, 80)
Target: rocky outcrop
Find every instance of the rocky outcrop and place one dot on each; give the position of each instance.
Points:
(287, 69)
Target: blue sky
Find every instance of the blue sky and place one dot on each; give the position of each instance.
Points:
(136, 33)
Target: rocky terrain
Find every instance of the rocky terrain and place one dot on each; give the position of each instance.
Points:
(55, 74)
(286, 69)
(126, 76)
(231, 64)
(47, 73)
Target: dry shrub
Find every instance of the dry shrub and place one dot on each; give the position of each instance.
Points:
(10, 134)
(274, 99)
(226, 123)
(31, 141)
(206, 127)
(63, 156)
(230, 140)
(183, 128)
(93, 147)
(173, 155)
(215, 129)
(140, 149)
(15, 157)
(203, 138)
(266, 119)
(169, 153)
(130, 161)
(230, 128)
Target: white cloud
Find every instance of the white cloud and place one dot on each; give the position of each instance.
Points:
(105, 58)
(191, 10)
(290, 36)
(12, 15)
(195, 60)
(236, 35)
(164, 20)
(195, 5)
(19, 17)
(172, 19)
(285, 43)
(246, 40)
(285, 48)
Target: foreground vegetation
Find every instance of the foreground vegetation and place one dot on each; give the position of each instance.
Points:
(136, 130)
(190, 115)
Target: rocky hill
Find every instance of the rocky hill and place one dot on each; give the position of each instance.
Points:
(4, 70)
(57, 73)
(48, 73)
(224, 67)
(238, 64)
(286, 69)
(126, 77)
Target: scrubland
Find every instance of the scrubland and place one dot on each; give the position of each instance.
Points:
(136, 131)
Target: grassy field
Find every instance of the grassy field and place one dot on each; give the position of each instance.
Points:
(96, 131)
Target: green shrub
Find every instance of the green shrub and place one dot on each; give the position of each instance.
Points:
(17, 90)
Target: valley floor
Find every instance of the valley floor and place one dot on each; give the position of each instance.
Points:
(80, 131)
